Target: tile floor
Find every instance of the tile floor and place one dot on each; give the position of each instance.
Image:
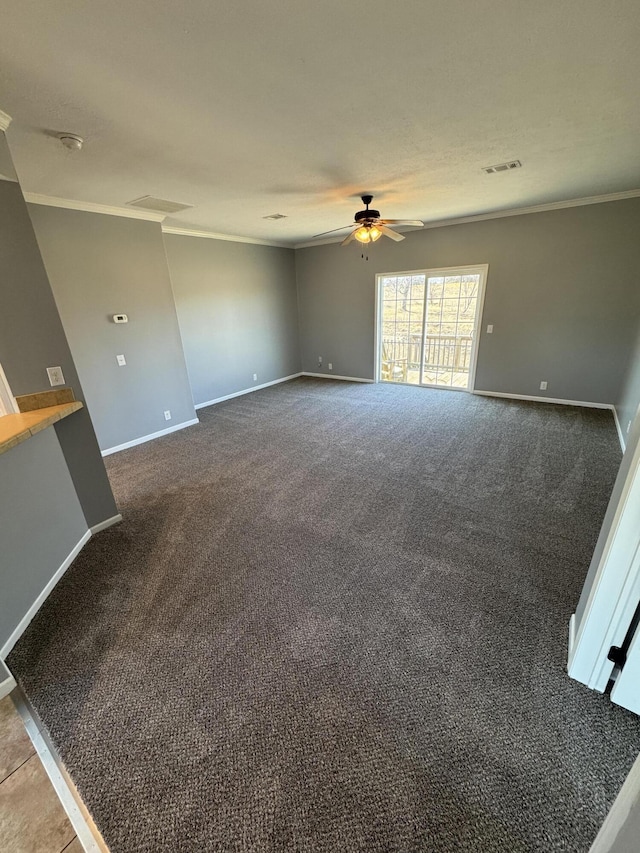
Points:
(32, 819)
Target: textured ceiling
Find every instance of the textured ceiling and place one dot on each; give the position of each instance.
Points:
(244, 109)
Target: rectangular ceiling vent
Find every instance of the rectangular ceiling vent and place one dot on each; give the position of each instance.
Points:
(276, 216)
(159, 205)
(502, 167)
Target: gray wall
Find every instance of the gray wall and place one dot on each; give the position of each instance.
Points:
(98, 266)
(237, 307)
(54, 485)
(32, 339)
(42, 521)
(561, 294)
(629, 419)
(629, 398)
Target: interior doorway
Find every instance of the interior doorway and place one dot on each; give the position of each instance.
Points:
(428, 325)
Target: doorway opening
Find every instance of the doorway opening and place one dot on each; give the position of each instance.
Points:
(428, 324)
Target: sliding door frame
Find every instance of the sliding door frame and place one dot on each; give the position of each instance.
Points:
(482, 270)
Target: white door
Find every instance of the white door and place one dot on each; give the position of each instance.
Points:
(613, 591)
(626, 690)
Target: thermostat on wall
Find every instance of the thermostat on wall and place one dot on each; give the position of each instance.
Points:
(120, 318)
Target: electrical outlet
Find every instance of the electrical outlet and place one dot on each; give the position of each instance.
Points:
(55, 375)
(320, 361)
(121, 360)
(543, 386)
(167, 415)
(490, 329)
(330, 366)
(255, 377)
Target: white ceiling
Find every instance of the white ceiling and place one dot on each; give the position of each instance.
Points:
(244, 109)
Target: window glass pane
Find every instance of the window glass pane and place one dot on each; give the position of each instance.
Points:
(451, 287)
(389, 288)
(436, 286)
(417, 288)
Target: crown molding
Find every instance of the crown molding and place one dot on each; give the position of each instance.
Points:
(500, 214)
(92, 207)
(212, 235)
(5, 120)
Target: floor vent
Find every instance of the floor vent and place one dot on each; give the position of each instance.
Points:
(503, 167)
(160, 205)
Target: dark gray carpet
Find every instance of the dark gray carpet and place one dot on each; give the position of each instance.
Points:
(335, 619)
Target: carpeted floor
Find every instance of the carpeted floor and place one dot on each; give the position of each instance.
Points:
(335, 619)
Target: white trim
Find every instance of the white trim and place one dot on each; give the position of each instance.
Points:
(144, 438)
(8, 403)
(332, 376)
(5, 121)
(619, 814)
(108, 522)
(212, 235)
(556, 400)
(623, 443)
(37, 604)
(6, 686)
(8, 682)
(500, 214)
(92, 207)
(572, 634)
(246, 391)
(84, 825)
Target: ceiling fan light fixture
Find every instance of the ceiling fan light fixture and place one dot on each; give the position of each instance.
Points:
(368, 226)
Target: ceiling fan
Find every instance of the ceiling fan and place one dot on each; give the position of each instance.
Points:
(369, 227)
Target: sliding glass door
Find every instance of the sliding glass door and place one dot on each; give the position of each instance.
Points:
(428, 326)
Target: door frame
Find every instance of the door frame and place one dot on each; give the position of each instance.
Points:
(614, 589)
(483, 271)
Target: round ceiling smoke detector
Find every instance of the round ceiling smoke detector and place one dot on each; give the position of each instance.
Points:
(71, 141)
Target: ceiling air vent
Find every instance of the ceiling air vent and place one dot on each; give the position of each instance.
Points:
(502, 167)
(276, 216)
(160, 205)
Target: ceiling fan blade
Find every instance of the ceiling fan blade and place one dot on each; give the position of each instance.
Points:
(389, 233)
(402, 222)
(351, 237)
(332, 231)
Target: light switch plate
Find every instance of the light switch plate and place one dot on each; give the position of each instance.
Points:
(121, 360)
(55, 375)
(490, 329)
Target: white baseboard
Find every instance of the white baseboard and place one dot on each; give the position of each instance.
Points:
(144, 438)
(7, 681)
(623, 443)
(246, 391)
(108, 522)
(6, 686)
(572, 637)
(37, 604)
(556, 400)
(332, 376)
(84, 825)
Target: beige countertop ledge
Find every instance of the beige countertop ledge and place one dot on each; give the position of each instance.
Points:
(14, 429)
